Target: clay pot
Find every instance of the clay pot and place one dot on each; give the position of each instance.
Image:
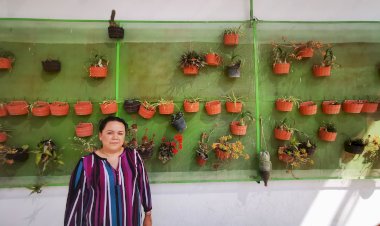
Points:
(282, 105)
(308, 108)
(83, 108)
(282, 134)
(234, 107)
(212, 59)
(190, 70)
(306, 52)
(84, 129)
(325, 135)
(231, 39)
(330, 108)
(369, 107)
(281, 68)
(5, 63)
(59, 108)
(108, 107)
(190, 106)
(146, 113)
(221, 155)
(98, 72)
(213, 107)
(237, 129)
(353, 106)
(17, 107)
(166, 109)
(320, 71)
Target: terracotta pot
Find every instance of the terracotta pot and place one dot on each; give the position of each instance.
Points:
(329, 108)
(51, 65)
(190, 107)
(98, 72)
(166, 109)
(320, 71)
(146, 113)
(282, 105)
(308, 108)
(236, 129)
(83, 108)
(213, 59)
(231, 39)
(213, 107)
(3, 110)
(59, 108)
(108, 108)
(5, 63)
(3, 137)
(40, 109)
(221, 155)
(352, 106)
(282, 134)
(17, 107)
(200, 161)
(84, 129)
(234, 107)
(281, 68)
(115, 32)
(190, 70)
(306, 52)
(369, 107)
(131, 105)
(325, 135)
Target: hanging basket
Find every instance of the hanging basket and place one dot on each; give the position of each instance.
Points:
(237, 129)
(83, 108)
(40, 109)
(283, 105)
(146, 113)
(5, 63)
(190, 106)
(282, 134)
(166, 109)
(190, 70)
(17, 107)
(354, 147)
(353, 106)
(325, 135)
(234, 107)
(59, 108)
(369, 107)
(3, 137)
(320, 71)
(308, 108)
(221, 155)
(115, 32)
(98, 72)
(131, 105)
(306, 52)
(84, 129)
(3, 110)
(178, 122)
(330, 107)
(233, 71)
(212, 59)
(109, 107)
(231, 39)
(283, 157)
(51, 65)
(213, 107)
(281, 68)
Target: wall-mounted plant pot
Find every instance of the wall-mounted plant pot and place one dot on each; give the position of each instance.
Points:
(201, 161)
(320, 71)
(190, 107)
(40, 109)
(213, 107)
(145, 152)
(178, 122)
(51, 66)
(98, 72)
(237, 129)
(21, 155)
(283, 105)
(115, 32)
(5, 63)
(108, 108)
(354, 146)
(281, 68)
(369, 107)
(330, 107)
(132, 105)
(190, 70)
(221, 155)
(306, 52)
(84, 129)
(234, 107)
(308, 146)
(212, 59)
(233, 71)
(58, 108)
(283, 157)
(3, 110)
(325, 135)
(146, 113)
(17, 107)
(231, 39)
(353, 106)
(166, 109)
(3, 137)
(83, 108)
(308, 108)
(280, 134)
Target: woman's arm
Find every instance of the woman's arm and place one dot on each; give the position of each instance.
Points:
(143, 185)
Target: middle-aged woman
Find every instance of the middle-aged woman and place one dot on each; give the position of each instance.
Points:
(109, 186)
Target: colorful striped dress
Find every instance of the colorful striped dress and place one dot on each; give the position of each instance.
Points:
(99, 195)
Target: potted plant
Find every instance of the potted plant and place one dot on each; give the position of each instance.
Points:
(114, 30)
(7, 58)
(239, 127)
(84, 129)
(281, 65)
(51, 65)
(370, 106)
(234, 104)
(3, 109)
(371, 153)
(98, 66)
(331, 107)
(83, 108)
(202, 150)
(233, 68)
(20, 154)
(58, 108)
(324, 69)
(178, 121)
(231, 36)
(282, 131)
(108, 107)
(165, 107)
(353, 106)
(147, 109)
(225, 149)
(191, 104)
(286, 103)
(353, 147)
(327, 131)
(306, 50)
(145, 149)
(213, 107)
(3, 133)
(40, 108)
(167, 149)
(18, 107)
(47, 156)
(132, 105)
(308, 108)
(212, 59)
(85, 145)
(191, 62)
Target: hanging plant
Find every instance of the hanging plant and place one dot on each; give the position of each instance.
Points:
(169, 148)
(286, 103)
(191, 104)
(324, 69)
(114, 30)
(178, 121)
(331, 107)
(202, 150)
(234, 103)
(191, 62)
(239, 127)
(7, 58)
(233, 67)
(47, 156)
(212, 59)
(165, 107)
(132, 105)
(108, 107)
(231, 36)
(147, 109)
(327, 132)
(51, 65)
(98, 66)
(58, 108)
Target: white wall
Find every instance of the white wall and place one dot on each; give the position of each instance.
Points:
(338, 202)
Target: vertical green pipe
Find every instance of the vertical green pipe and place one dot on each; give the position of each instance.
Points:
(117, 74)
(257, 93)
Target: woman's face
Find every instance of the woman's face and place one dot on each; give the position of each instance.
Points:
(112, 136)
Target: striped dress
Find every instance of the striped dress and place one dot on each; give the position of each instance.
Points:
(99, 195)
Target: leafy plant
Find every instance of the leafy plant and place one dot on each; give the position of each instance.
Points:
(162, 101)
(85, 145)
(149, 105)
(235, 149)
(233, 30)
(292, 99)
(203, 147)
(329, 127)
(244, 117)
(282, 125)
(235, 60)
(233, 98)
(280, 55)
(98, 61)
(7, 54)
(168, 148)
(47, 156)
(329, 58)
(193, 99)
(371, 153)
(192, 58)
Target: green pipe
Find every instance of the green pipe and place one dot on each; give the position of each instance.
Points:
(117, 74)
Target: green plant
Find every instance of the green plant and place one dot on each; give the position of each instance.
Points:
(280, 54)
(371, 153)
(244, 117)
(7, 54)
(329, 58)
(233, 30)
(282, 125)
(329, 127)
(192, 58)
(193, 99)
(203, 147)
(235, 149)
(235, 60)
(47, 156)
(85, 145)
(98, 61)
(149, 105)
(164, 101)
(233, 98)
(292, 99)
(295, 154)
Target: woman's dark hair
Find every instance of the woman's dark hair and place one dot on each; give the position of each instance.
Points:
(111, 118)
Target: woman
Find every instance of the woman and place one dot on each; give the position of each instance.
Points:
(109, 186)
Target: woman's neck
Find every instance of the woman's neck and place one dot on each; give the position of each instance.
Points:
(110, 153)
